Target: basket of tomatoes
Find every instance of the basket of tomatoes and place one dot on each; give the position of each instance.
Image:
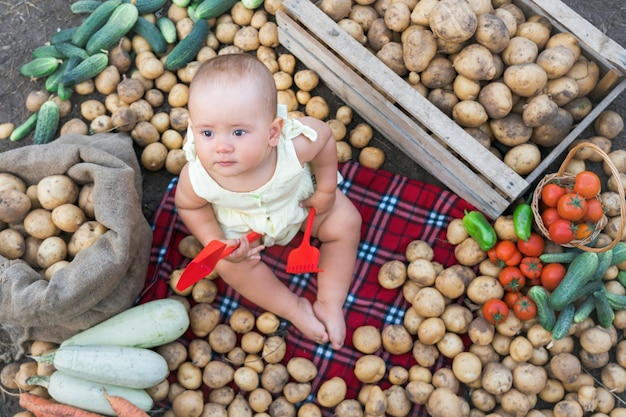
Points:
(568, 207)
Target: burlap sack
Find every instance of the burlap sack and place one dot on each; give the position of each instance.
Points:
(101, 280)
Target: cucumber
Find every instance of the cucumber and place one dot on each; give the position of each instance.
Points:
(84, 6)
(616, 301)
(187, 49)
(584, 309)
(209, 9)
(53, 80)
(619, 253)
(181, 3)
(25, 128)
(85, 70)
(147, 6)
(47, 51)
(621, 277)
(40, 67)
(167, 28)
(564, 322)
(545, 314)
(47, 123)
(579, 272)
(118, 24)
(69, 50)
(151, 34)
(604, 311)
(605, 259)
(64, 35)
(92, 23)
(561, 258)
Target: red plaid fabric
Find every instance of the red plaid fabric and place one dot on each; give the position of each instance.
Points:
(396, 210)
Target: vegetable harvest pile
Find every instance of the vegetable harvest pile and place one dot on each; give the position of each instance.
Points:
(529, 327)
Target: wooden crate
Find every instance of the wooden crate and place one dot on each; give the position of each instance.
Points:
(416, 126)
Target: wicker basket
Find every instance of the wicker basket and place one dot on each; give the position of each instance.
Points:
(567, 179)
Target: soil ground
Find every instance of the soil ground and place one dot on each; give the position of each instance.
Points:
(25, 25)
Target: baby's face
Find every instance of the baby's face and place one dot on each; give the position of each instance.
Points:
(232, 129)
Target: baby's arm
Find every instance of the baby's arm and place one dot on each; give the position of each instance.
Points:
(322, 157)
(196, 212)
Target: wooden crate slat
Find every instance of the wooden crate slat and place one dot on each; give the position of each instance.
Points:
(480, 158)
(381, 114)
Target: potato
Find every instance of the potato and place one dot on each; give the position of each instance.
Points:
(74, 125)
(525, 80)
(396, 339)
(608, 124)
(496, 99)
(443, 402)
(54, 190)
(539, 110)
(392, 274)
(556, 61)
(12, 244)
(85, 236)
(222, 338)
(467, 367)
(52, 249)
(68, 217)
(453, 20)
(38, 224)
(174, 353)
(267, 323)
(439, 73)
(553, 133)
(469, 113)
(484, 287)
(259, 400)
(492, 32)
(524, 158)
(203, 318)
(431, 330)
(468, 252)
(274, 377)
(188, 403)
(14, 206)
(379, 34)
(336, 9)
(90, 109)
(369, 369)
(586, 73)
(123, 119)
(519, 50)
(366, 339)
(217, 374)
(536, 31)
(301, 369)
(418, 48)
(372, 157)
(391, 55)
(475, 62)
(562, 91)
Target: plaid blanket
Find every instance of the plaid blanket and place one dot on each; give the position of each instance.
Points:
(396, 210)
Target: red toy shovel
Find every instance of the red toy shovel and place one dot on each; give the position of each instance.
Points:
(205, 261)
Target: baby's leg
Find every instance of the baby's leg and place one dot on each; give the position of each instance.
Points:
(340, 233)
(256, 282)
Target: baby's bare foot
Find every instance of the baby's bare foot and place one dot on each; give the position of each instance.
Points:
(308, 323)
(335, 323)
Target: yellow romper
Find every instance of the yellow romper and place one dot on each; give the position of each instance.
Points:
(273, 209)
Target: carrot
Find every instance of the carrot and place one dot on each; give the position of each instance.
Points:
(123, 407)
(41, 407)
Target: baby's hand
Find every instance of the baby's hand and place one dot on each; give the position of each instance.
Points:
(322, 201)
(244, 251)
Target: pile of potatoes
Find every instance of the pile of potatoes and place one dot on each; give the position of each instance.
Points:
(138, 95)
(508, 79)
(48, 223)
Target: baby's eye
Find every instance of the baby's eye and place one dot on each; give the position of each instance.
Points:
(239, 132)
(207, 133)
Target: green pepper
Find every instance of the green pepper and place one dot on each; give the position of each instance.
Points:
(478, 227)
(523, 221)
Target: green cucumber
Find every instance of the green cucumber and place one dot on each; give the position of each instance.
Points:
(64, 35)
(69, 49)
(147, 6)
(619, 253)
(48, 51)
(167, 28)
(24, 129)
(47, 123)
(92, 23)
(84, 6)
(87, 69)
(561, 258)
(617, 301)
(151, 33)
(118, 25)
(621, 277)
(564, 322)
(53, 80)
(181, 3)
(187, 49)
(604, 310)
(209, 9)
(545, 314)
(605, 259)
(579, 272)
(40, 67)
(584, 309)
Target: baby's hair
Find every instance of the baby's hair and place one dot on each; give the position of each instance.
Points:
(224, 70)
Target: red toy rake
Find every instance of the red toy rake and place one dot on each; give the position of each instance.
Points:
(305, 258)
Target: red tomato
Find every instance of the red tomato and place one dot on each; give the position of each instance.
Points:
(551, 193)
(549, 215)
(505, 252)
(495, 311)
(583, 231)
(587, 184)
(510, 298)
(551, 275)
(531, 267)
(571, 206)
(561, 231)
(595, 211)
(525, 308)
(511, 279)
(533, 246)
